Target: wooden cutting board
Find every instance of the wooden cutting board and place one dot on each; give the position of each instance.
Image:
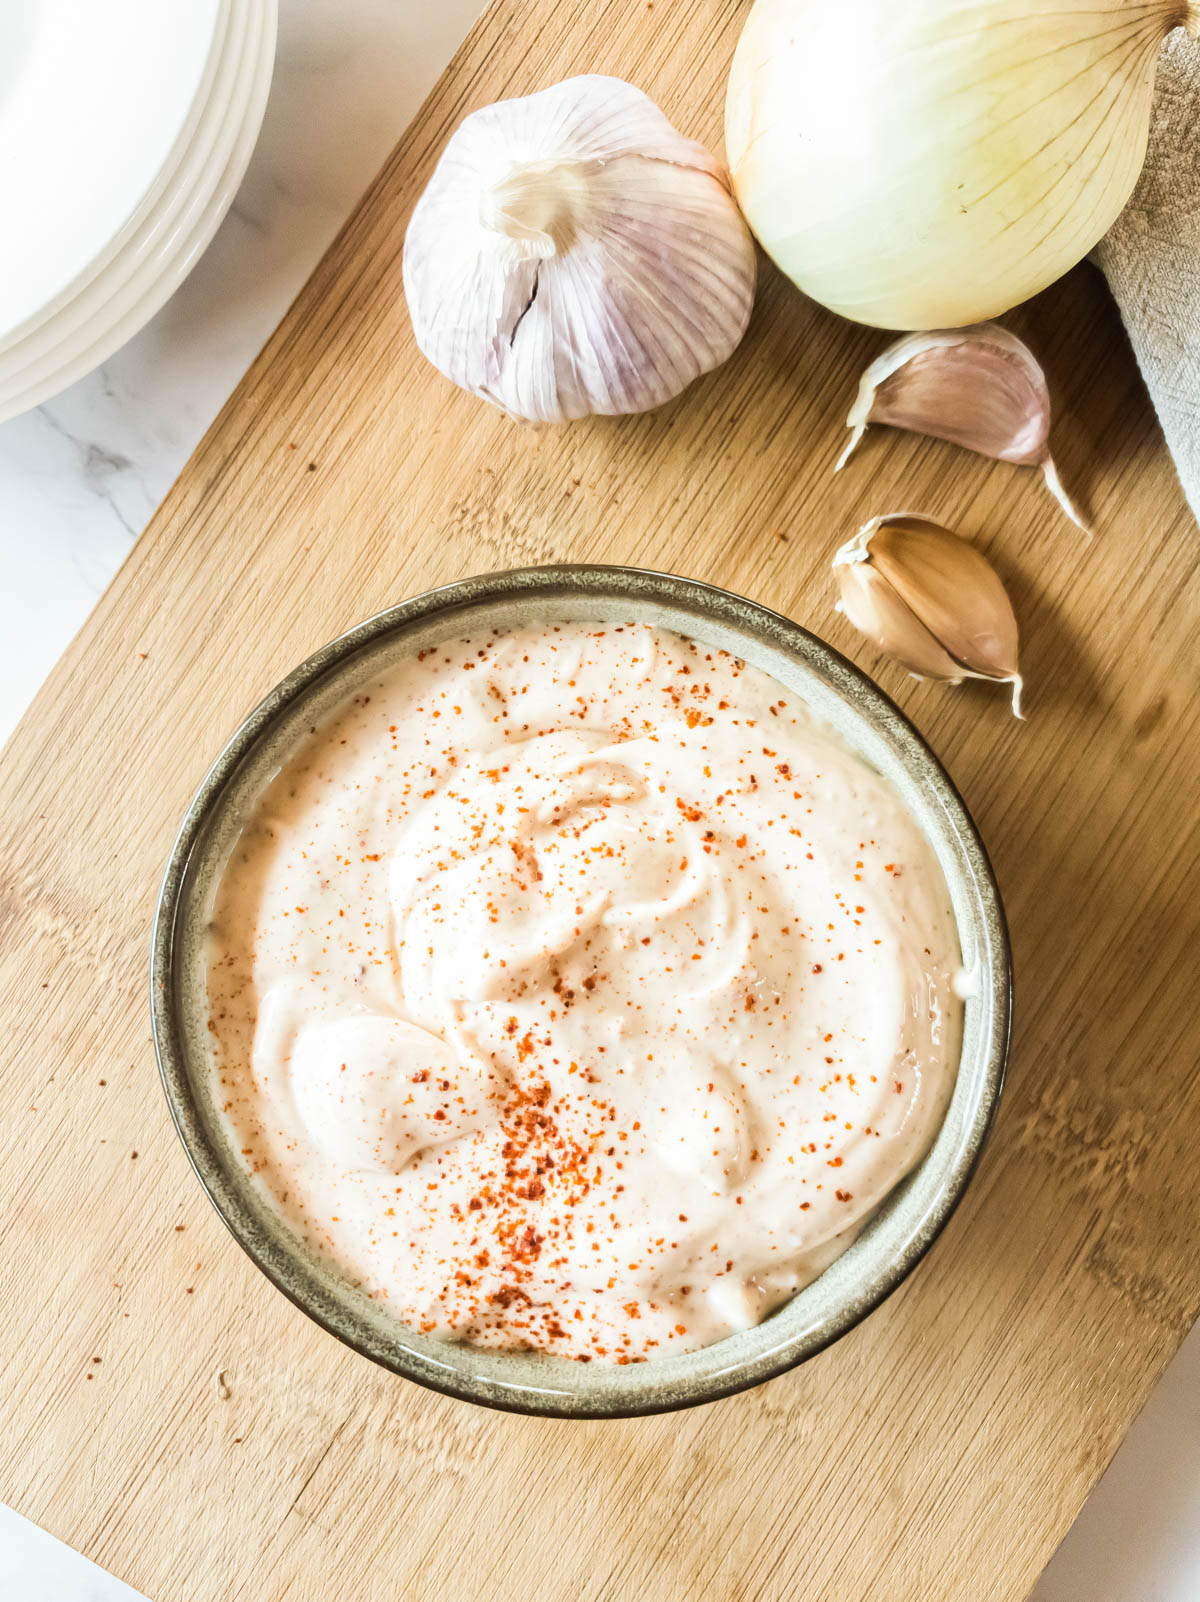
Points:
(168, 1413)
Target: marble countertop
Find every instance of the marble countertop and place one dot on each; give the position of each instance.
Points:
(80, 477)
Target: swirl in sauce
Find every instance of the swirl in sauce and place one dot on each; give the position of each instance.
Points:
(577, 989)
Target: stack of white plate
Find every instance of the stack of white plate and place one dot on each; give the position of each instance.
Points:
(125, 129)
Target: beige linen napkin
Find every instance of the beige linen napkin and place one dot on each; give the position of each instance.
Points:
(1151, 258)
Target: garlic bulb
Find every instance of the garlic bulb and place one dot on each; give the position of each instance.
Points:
(979, 387)
(574, 254)
(930, 164)
(930, 600)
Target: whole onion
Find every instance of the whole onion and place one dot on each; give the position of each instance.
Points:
(921, 164)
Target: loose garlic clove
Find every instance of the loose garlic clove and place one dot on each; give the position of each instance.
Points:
(875, 609)
(930, 601)
(979, 387)
(575, 254)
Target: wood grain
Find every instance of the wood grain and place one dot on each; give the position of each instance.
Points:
(167, 1412)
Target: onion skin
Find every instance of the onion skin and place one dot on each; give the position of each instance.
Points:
(921, 164)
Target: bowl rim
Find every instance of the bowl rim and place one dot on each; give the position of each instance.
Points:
(610, 582)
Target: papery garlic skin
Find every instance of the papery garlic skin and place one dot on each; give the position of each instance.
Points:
(874, 608)
(575, 254)
(929, 600)
(979, 387)
(931, 164)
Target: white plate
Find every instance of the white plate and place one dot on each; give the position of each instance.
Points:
(122, 303)
(94, 95)
(137, 297)
(127, 239)
(79, 315)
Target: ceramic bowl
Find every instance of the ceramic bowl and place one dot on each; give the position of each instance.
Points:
(898, 1234)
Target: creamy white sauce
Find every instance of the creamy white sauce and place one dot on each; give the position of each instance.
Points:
(576, 988)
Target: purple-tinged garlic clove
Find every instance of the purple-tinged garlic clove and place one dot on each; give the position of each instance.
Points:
(980, 387)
